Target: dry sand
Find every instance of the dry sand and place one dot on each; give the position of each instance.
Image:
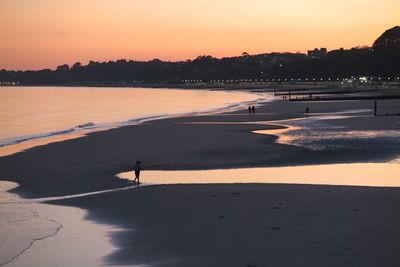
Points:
(223, 225)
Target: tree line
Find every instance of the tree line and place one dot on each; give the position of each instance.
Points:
(382, 59)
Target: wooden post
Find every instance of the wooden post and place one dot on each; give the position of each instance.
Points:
(375, 107)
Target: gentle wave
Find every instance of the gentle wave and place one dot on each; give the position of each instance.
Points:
(92, 126)
(20, 139)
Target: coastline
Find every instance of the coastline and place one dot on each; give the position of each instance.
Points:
(82, 126)
(35, 233)
(90, 163)
(221, 224)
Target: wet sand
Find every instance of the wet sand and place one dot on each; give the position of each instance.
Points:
(37, 234)
(252, 225)
(224, 225)
(345, 174)
(90, 163)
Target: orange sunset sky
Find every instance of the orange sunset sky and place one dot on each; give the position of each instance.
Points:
(38, 34)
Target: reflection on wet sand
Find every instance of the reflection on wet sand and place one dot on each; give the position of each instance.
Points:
(355, 174)
(27, 229)
(314, 132)
(282, 134)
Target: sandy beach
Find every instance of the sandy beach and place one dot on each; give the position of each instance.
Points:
(252, 225)
(227, 224)
(200, 133)
(89, 163)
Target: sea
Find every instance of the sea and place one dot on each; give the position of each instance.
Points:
(31, 116)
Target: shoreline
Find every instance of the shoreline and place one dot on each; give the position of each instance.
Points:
(101, 155)
(269, 85)
(31, 229)
(17, 144)
(222, 224)
(307, 217)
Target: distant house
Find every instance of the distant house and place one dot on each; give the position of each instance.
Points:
(317, 53)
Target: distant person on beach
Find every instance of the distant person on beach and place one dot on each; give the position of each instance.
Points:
(253, 109)
(307, 110)
(138, 167)
(249, 109)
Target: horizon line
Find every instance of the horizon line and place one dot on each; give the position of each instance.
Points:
(187, 59)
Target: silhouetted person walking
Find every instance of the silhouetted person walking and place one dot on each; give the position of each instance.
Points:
(253, 109)
(249, 109)
(307, 110)
(138, 167)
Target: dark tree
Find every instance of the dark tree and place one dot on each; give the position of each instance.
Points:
(382, 59)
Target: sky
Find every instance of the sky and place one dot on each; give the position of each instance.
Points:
(37, 34)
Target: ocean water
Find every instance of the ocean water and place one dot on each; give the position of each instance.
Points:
(53, 113)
